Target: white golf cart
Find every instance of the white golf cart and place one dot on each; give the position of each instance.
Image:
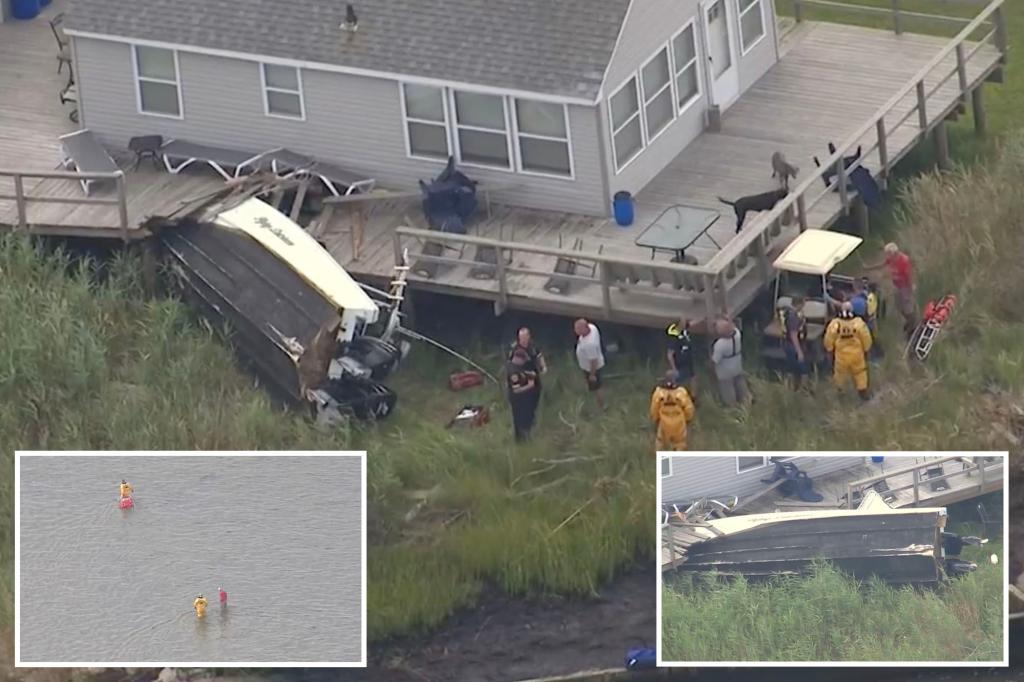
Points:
(805, 269)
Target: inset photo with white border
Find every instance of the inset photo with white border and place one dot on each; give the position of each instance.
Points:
(190, 559)
(833, 558)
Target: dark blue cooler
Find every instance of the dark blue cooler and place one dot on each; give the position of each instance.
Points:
(622, 207)
(25, 9)
(877, 460)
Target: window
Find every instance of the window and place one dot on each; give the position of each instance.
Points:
(666, 466)
(481, 128)
(627, 130)
(751, 23)
(282, 91)
(542, 130)
(684, 56)
(156, 72)
(750, 463)
(656, 80)
(426, 121)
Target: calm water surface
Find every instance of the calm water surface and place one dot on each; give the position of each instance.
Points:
(281, 534)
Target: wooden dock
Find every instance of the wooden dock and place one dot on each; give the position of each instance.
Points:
(884, 90)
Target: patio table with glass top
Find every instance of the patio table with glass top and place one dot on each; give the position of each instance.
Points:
(677, 229)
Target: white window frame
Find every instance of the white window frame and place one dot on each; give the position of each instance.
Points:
(138, 83)
(763, 464)
(670, 85)
(691, 24)
(518, 135)
(612, 130)
(739, 24)
(406, 119)
(268, 88)
(665, 458)
(456, 127)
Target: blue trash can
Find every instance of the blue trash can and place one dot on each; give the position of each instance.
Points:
(25, 9)
(622, 207)
(44, 3)
(877, 460)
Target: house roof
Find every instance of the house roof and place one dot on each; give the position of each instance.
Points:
(554, 47)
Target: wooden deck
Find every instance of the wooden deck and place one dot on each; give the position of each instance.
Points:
(834, 82)
(829, 82)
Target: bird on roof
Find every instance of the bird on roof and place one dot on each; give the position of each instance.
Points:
(351, 20)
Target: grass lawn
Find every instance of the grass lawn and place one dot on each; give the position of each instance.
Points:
(86, 366)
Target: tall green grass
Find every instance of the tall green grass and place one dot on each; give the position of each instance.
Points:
(828, 616)
(86, 365)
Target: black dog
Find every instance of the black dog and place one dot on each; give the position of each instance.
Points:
(755, 202)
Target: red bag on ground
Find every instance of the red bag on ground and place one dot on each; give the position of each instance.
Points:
(461, 380)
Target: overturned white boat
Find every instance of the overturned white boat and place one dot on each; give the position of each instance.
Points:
(899, 546)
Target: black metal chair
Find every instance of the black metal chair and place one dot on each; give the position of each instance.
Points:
(146, 146)
(63, 44)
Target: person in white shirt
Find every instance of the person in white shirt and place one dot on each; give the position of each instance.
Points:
(589, 356)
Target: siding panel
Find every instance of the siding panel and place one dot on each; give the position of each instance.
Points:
(352, 121)
(696, 477)
(651, 23)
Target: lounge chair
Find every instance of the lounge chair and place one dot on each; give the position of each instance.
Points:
(179, 155)
(80, 150)
(284, 162)
(341, 182)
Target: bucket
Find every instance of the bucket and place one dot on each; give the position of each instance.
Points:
(25, 9)
(877, 460)
(622, 207)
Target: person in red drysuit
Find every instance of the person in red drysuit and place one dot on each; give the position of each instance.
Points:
(901, 270)
(223, 596)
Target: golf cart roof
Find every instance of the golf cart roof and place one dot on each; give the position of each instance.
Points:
(816, 252)
(293, 245)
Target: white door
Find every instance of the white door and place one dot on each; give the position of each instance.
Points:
(724, 76)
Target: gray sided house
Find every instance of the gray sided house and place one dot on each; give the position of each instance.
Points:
(686, 478)
(569, 101)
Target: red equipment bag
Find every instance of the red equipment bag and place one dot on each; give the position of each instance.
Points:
(461, 380)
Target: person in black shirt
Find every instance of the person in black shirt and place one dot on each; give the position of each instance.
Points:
(522, 393)
(680, 355)
(535, 361)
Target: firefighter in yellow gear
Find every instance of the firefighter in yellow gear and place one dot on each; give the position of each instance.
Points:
(671, 409)
(200, 606)
(849, 340)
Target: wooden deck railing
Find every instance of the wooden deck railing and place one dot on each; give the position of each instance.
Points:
(608, 272)
(987, 472)
(22, 197)
(925, 114)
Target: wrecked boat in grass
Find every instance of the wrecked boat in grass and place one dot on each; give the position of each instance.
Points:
(293, 312)
(898, 546)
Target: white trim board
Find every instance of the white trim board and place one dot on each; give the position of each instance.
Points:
(336, 68)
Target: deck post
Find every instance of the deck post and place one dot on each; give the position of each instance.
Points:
(150, 256)
(961, 73)
(922, 109)
(798, 11)
(502, 305)
(883, 151)
(762, 260)
(917, 481)
(19, 200)
(999, 17)
(897, 25)
(844, 200)
(861, 216)
(709, 301)
(122, 205)
(978, 106)
(981, 470)
(801, 212)
(941, 133)
(606, 289)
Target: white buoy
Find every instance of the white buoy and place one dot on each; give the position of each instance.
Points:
(994, 558)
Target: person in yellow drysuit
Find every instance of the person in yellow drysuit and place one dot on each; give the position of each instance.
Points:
(126, 488)
(849, 340)
(200, 606)
(671, 409)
